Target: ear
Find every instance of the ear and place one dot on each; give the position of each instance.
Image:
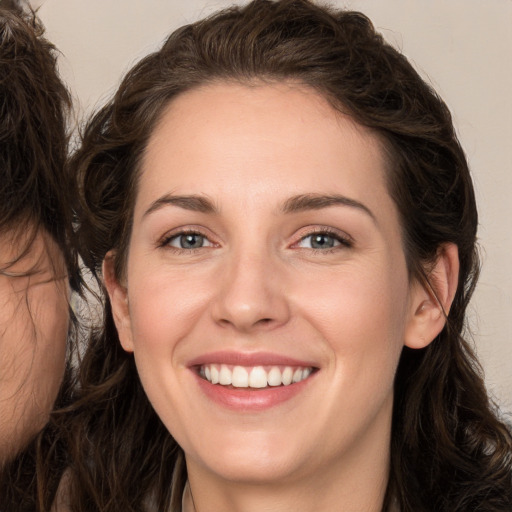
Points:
(431, 302)
(118, 295)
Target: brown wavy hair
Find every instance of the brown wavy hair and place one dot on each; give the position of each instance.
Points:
(34, 108)
(449, 452)
(36, 189)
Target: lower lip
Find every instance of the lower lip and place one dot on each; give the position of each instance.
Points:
(250, 399)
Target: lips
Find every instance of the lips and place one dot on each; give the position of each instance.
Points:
(251, 381)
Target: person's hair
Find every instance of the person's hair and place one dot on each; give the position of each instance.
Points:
(34, 104)
(449, 450)
(36, 189)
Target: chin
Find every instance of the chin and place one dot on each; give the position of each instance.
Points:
(261, 460)
(259, 471)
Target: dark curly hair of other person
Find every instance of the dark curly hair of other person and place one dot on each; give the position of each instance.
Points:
(450, 451)
(34, 104)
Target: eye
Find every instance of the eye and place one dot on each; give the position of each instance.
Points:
(188, 241)
(323, 241)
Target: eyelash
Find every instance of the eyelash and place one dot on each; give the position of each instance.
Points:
(166, 240)
(344, 242)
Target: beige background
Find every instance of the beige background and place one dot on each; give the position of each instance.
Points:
(463, 47)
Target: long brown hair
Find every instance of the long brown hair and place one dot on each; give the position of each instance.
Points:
(35, 190)
(449, 449)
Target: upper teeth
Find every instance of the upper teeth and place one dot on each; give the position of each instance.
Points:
(253, 377)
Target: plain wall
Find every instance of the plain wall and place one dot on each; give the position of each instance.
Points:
(462, 47)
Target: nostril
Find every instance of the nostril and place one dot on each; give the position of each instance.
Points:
(261, 322)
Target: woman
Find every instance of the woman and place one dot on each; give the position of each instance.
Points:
(36, 262)
(285, 225)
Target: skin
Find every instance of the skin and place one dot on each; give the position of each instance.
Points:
(257, 284)
(33, 329)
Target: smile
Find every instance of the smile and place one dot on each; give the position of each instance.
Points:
(256, 377)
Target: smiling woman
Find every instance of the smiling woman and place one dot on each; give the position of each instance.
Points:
(273, 292)
(285, 226)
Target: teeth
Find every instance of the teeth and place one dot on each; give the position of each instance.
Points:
(240, 377)
(254, 377)
(274, 377)
(258, 377)
(225, 375)
(287, 376)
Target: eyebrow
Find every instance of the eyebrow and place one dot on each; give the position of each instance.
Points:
(193, 203)
(299, 203)
(306, 202)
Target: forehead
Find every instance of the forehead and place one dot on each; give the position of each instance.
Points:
(270, 137)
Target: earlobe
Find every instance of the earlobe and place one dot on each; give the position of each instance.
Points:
(431, 302)
(118, 295)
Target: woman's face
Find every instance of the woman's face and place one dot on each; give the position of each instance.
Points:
(266, 252)
(33, 328)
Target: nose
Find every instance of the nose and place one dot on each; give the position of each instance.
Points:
(252, 294)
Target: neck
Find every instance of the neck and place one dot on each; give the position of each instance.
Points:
(246, 499)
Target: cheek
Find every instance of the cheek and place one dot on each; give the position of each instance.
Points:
(360, 299)
(50, 310)
(361, 313)
(360, 316)
(33, 332)
(163, 308)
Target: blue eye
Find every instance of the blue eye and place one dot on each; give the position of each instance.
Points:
(322, 241)
(189, 241)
